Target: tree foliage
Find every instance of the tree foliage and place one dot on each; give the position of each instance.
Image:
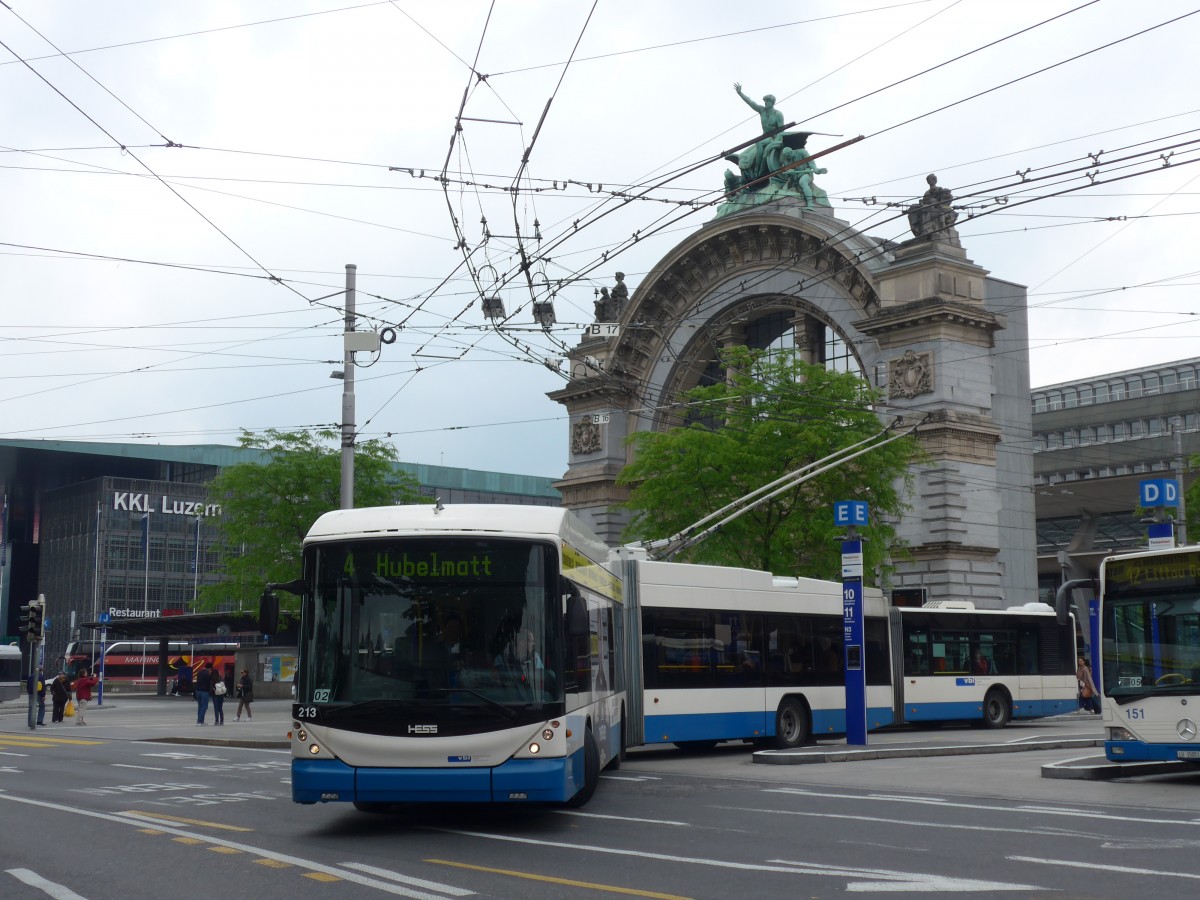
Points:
(772, 415)
(268, 507)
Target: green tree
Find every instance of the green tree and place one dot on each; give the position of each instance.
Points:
(772, 415)
(267, 507)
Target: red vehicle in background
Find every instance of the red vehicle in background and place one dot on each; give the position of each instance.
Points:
(133, 665)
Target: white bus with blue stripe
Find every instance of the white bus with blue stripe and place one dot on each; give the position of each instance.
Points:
(735, 654)
(1149, 676)
(458, 654)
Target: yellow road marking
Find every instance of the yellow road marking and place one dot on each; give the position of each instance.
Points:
(224, 849)
(273, 863)
(150, 831)
(32, 740)
(187, 840)
(142, 814)
(612, 889)
(321, 876)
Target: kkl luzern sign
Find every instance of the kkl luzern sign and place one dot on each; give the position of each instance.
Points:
(141, 503)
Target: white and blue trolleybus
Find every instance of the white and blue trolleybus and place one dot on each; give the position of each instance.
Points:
(1149, 674)
(737, 654)
(468, 653)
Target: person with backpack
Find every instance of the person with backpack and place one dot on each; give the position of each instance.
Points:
(219, 690)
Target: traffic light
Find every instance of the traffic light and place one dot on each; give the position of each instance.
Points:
(31, 620)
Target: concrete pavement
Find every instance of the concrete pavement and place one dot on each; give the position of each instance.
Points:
(145, 717)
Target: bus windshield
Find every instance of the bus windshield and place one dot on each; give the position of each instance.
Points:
(466, 629)
(1152, 645)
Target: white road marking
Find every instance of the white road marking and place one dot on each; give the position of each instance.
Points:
(408, 879)
(892, 882)
(983, 807)
(311, 865)
(588, 815)
(873, 819)
(57, 891)
(178, 755)
(1100, 867)
(6, 753)
(131, 766)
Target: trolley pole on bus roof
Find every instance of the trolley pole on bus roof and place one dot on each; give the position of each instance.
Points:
(853, 513)
(347, 486)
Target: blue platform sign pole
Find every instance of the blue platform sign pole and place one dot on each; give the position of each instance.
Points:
(852, 513)
(104, 618)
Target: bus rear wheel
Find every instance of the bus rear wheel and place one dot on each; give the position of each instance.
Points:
(791, 725)
(591, 771)
(996, 711)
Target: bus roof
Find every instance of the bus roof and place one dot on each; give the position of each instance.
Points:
(508, 520)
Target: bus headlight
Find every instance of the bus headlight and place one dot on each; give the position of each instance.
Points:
(302, 735)
(1119, 734)
(314, 749)
(547, 735)
(535, 748)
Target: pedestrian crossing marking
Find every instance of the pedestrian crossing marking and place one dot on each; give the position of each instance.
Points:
(224, 849)
(187, 840)
(321, 876)
(274, 863)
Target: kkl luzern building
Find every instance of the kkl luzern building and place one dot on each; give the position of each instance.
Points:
(128, 530)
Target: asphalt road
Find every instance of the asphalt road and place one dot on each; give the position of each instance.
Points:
(101, 812)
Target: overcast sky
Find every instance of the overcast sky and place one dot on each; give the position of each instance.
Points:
(170, 294)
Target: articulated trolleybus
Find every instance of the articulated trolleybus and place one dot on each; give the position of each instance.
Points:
(456, 654)
(736, 654)
(1150, 654)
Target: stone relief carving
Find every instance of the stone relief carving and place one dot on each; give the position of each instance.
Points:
(910, 375)
(585, 436)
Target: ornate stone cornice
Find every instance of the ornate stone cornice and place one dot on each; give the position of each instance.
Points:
(930, 310)
(966, 437)
(951, 550)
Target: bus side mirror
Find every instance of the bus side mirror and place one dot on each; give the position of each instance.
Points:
(268, 612)
(577, 614)
(1062, 597)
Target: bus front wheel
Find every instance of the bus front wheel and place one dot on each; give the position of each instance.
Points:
(996, 711)
(591, 771)
(791, 725)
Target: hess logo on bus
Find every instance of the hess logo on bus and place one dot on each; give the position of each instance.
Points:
(422, 729)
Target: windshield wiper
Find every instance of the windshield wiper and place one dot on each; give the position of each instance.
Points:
(506, 711)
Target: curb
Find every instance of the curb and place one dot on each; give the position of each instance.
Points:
(265, 744)
(1100, 768)
(810, 756)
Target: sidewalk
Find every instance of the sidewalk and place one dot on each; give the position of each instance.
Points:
(146, 717)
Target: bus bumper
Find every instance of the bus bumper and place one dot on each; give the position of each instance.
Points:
(515, 781)
(1136, 751)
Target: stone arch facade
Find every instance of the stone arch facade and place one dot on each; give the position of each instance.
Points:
(916, 319)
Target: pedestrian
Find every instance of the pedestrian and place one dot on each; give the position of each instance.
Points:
(83, 693)
(204, 680)
(1088, 701)
(245, 692)
(41, 697)
(219, 688)
(60, 693)
(36, 689)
